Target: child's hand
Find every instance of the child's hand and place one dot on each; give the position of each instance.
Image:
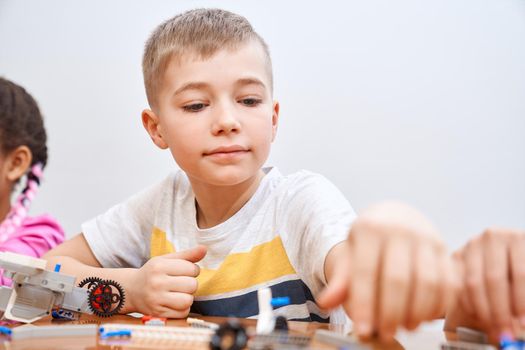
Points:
(494, 281)
(392, 271)
(164, 285)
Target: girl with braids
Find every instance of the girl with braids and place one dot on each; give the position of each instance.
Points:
(23, 156)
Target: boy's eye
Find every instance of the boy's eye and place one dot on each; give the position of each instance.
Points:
(194, 107)
(251, 102)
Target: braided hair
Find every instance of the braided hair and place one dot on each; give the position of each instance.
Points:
(21, 124)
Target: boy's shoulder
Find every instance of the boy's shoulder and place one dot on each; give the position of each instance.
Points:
(304, 187)
(303, 180)
(298, 176)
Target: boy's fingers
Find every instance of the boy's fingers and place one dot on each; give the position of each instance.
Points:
(179, 267)
(496, 279)
(474, 281)
(336, 292)
(448, 284)
(365, 274)
(394, 286)
(182, 284)
(517, 252)
(171, 313)
(462, 296)
(177, 301)
(194, 254)
(425, 281)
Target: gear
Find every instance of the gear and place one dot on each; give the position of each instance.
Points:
(106, 298)
(90, 281)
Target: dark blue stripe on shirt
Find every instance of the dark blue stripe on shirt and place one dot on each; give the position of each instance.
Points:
(246, 305)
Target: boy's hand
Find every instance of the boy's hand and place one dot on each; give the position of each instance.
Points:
(494, 281)
(392, 271)
(164, 286)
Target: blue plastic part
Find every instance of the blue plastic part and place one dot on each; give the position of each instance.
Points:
(57, 267)
(63, 314)
(280, 301)
(5, 330)
(507, 343)
(120, 333)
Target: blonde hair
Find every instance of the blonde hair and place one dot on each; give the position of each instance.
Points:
(199, 32)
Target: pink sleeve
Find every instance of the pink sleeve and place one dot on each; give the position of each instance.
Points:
(34, 237)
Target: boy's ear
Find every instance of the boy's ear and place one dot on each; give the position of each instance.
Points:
(17, 162)
(152, 125)
(275, 119)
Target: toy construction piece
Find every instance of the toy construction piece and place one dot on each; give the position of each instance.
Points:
(61, 314)
(106, 298)
(89, 282)
(229, 336)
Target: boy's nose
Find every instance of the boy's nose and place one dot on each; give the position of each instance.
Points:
(225, 123)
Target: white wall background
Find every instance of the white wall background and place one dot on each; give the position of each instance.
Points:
(422, 101)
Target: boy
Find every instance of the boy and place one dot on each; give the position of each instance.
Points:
(208, 79)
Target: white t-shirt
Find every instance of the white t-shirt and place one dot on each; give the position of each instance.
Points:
(278, 239)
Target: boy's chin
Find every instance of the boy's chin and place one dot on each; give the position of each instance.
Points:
(228, 177)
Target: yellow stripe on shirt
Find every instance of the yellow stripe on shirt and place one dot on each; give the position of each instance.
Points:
(265, 262)
(159, 243)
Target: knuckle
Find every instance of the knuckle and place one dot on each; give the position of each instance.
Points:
(155, 283)
(189, 268)
(185, 313)
(186, 300)
(473, 244)
(491, 233)
(155, 266)
(180, 313)
(473, 283)
(194, 285)
(365, 226)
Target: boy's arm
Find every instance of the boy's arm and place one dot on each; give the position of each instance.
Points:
(76, 248)
(392, 271)
(77, 259)
(162, 287)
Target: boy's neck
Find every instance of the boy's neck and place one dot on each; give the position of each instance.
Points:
(216, 204)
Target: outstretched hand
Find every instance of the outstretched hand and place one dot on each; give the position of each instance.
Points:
(393, 270)
(493, 294)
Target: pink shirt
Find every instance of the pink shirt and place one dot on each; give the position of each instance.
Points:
(34, 237)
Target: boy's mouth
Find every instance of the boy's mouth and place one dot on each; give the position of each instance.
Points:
(227, 151)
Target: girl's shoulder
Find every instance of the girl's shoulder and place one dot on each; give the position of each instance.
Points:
(43, 224)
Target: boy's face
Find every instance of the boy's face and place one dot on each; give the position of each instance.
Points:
(216, 115)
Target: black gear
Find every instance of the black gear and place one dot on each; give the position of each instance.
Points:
(281, 324)
(229, 336)
(103, 300)
(90, 281)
